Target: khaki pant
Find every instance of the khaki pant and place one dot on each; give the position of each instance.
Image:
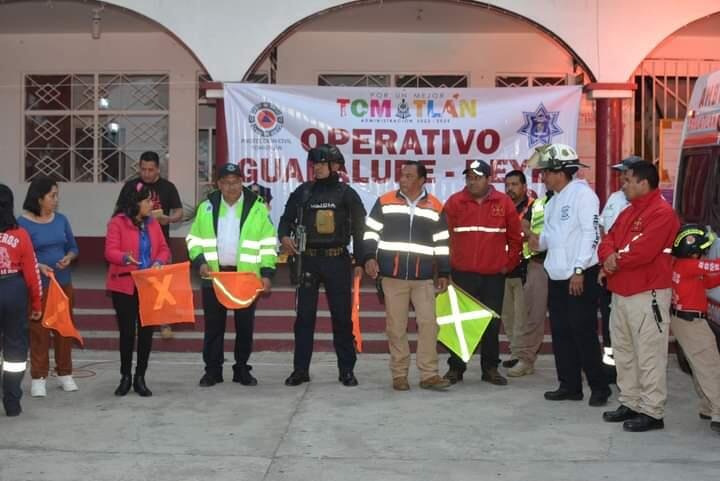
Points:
(640, 347)
(528, 335)
(698, 343)
(398, 294)
(513, 310)
(40, 345)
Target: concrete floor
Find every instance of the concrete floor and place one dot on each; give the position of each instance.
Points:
(324, 431)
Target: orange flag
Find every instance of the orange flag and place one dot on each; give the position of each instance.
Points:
(236, 290)
(57, 312)
(165, 294)
(356, 313)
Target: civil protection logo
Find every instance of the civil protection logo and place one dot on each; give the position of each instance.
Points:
(266, 119)
(540, 126)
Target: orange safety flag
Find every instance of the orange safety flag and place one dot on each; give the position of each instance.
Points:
(356, 313)
(236, 290)
(165, 294)
(57, 312)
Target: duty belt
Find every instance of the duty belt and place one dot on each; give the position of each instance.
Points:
(688, 315)
(329, 252)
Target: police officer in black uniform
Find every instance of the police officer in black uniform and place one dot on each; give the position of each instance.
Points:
(331, 212)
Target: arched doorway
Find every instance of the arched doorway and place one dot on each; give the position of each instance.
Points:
(665, 81)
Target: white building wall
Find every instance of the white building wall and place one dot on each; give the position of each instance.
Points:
(611, 36)
(482, 56)
(90, 205)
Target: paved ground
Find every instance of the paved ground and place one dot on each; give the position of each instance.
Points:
(324, 431)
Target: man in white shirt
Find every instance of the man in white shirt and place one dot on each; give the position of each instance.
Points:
(570, 236)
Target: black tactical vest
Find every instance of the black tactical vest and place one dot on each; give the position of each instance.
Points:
(325, 216)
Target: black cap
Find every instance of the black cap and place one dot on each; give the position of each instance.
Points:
(627, 163)
(479, 167)
(228, 169)
(326, 153)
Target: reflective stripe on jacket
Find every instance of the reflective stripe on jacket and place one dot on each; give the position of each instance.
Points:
(257, 247)
(407, 242)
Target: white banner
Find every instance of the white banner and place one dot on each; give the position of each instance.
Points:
(270, 128)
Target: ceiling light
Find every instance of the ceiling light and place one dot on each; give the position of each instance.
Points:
(96, 19)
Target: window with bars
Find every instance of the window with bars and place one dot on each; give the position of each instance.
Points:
(411, 80)
(530, 80)
(354, 80)
(93, 127)
(433, 81)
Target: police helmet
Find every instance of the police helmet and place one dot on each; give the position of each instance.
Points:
(326, 153)
(692, 239)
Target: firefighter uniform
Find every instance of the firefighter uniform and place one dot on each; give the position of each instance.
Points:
(485, 245)
(331, 212)
(19, 284)
(691, 277)
(640, 242)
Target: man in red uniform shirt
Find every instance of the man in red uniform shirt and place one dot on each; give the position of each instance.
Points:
(485, 245)
(635, 255)
(691, 277)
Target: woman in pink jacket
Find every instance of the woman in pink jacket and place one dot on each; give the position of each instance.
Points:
(134, 241)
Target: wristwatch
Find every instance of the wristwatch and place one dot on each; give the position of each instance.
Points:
(579, 271)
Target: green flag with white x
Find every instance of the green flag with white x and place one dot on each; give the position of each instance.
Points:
(462, 320)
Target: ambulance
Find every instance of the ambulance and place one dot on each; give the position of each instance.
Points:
(697, 188)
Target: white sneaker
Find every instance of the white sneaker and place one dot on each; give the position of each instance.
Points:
(67, 383)
(37, 388)
(521, 369)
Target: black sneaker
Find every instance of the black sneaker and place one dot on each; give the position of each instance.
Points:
(297, 377)
(243, 376)
(715, 426)
(348, 379)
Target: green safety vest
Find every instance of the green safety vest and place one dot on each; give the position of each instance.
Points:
(257, 244)
(537, 220)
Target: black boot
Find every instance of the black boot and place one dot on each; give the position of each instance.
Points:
(243, 376)
(347, 378)
(140, 387)
(124, 386)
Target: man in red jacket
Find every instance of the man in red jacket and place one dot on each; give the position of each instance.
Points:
(485, 245)
(635, 255)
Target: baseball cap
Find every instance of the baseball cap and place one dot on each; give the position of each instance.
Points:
(627, 163)
(228, 169)
(478, 167)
